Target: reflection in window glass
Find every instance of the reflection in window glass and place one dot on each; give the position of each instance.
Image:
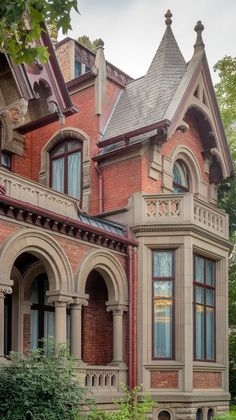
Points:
(163, 304)
(180, 177)
(199, 415)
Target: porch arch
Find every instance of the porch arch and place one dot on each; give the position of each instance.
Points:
(46, 249)
(110, 269)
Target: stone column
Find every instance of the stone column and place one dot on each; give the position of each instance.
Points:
(118, 333)
(60, 303)
(3, 291)
(76, 327)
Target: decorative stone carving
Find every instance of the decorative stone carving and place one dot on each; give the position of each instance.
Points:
(5, 290)
(60, 299)
(11, 139)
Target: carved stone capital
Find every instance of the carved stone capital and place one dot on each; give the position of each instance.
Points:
(60, 300)
(5, 290)
(79, 302)
(117, 309)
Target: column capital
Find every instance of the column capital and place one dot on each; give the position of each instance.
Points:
(5, 290)
(79, 302)
(117, 309)
(60, 300)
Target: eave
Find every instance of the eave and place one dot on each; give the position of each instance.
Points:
(33, 215)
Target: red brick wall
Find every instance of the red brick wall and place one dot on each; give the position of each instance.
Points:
(26, 333)
(97, 323)
(205, 380)
(164, 379)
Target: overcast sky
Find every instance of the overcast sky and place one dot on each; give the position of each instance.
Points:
(132, 29)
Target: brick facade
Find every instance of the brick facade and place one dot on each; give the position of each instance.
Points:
(207, 380)
(164, 379)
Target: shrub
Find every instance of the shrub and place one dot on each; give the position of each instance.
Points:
(40, 387)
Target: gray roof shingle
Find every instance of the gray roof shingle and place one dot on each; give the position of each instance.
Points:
(145, 100)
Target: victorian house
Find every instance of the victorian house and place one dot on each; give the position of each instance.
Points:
(110, 235)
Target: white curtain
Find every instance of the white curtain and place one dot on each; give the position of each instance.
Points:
(58, 174)
(74, 174)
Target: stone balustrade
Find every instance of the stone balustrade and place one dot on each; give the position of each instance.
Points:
(36, 194)
(179, 209)
(103, 379)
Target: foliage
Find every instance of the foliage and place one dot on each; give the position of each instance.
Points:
(86, 42)
(40, 387)
(228, 416)
(133, 407)
(21, 24)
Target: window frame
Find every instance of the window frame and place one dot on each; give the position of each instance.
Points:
(173, 279)
(3, 153)
(205, 286)
(65, 155)
(180, 187)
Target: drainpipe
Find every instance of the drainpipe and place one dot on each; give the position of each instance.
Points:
(100, 188)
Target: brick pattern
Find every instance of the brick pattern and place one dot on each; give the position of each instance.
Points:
(97, 323)
(207, 380)
(164, 379)
(26, 333)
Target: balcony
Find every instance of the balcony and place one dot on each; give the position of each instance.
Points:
(107, 380)
(36, 194)
(181, 210)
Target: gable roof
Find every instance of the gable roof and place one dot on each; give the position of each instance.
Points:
(144, 101)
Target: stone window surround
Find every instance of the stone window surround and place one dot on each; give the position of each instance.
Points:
(68, 133)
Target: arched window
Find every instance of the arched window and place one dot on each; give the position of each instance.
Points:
(180, 177)
(66, 167)
(164, 415)
(210, 414)
(42, 314)
(199, 415)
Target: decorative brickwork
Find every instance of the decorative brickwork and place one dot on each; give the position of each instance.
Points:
(166, 379)
(206, 380)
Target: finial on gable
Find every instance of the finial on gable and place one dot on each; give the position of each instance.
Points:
(168, 17)
(199, 44)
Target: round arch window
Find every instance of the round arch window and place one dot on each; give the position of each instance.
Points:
(180, 177)
(199, 415)
(66, 167)
(210, 414)
(164, 415)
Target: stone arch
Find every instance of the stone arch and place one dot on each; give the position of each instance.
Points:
(166, 412)
(184, 154)
(31, 273)
(68, 133)
(46, 249)
(110, 269)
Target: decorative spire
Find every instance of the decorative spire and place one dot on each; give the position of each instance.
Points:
(168, 17)
(199, 44)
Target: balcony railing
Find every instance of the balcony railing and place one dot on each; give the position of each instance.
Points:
(103, 379)
(34, 193)
(179, 209)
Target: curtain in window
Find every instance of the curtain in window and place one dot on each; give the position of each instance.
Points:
(58, 174)
(163, 328)
(34, 329)
(200, 332)
(74, 171)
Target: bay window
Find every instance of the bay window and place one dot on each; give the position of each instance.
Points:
(163, 304)
(204, 308)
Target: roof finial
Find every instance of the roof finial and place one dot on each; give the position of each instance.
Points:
(199, 44)
(168, 17)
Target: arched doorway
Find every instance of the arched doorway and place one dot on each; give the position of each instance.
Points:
(97, 323)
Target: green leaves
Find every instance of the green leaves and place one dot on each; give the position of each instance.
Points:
(21, 26)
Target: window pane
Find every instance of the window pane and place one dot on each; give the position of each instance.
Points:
(163, 289)
(58, 149)
(210, 295)
(200, 295)
(199, 415)
(210, 333)
(34, 328)
(5, 160)
(72, 145)
(199, 269)
(34, 292)
(163, 328)
(199, 332)
(210, 272)
(162, 263)
(77, 68)
(74, 172)
(164, 415)
(58, 174)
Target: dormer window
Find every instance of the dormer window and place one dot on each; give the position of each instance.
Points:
(180, 177)
(66, 168)
(80, 68)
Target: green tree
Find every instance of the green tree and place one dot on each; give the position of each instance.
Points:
(39, 387)
(21, 24)
(86, 42)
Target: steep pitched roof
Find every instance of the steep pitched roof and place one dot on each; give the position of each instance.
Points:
(144, 101)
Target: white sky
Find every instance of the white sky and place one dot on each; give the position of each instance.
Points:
(132, 29)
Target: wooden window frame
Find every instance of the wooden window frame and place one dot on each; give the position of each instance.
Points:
(205, 286)
(172, 278)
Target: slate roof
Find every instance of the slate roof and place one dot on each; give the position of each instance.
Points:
(103, 224)
(144, 101)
